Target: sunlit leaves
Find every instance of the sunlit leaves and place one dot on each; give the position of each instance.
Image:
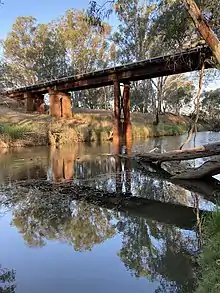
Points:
(211, 104)
(178, 92)
(96, 12)
(35, 52)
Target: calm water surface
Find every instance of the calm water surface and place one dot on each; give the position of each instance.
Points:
(72, 246)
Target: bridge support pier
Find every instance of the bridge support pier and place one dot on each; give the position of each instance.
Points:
(54, 104)
(127, 116)
(66, 106)
(60, 105)
(40, 105)
(117, 131)
(34, 102)
(30, 102)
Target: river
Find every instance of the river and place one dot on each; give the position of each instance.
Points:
(73, 246)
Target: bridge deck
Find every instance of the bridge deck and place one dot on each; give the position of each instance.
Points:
(186, 61)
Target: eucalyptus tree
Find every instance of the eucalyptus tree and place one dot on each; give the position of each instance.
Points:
(175, 19)
(211, 104)
(35, 52)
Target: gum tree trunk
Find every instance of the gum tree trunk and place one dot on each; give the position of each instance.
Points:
(204, 29)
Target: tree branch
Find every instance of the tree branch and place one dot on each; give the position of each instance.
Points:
(197, 104)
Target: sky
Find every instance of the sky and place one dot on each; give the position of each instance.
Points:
(43, 10)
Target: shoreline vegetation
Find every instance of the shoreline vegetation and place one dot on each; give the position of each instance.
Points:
(209, 257)
(19, 129)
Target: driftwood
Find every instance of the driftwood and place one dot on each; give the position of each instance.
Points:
(179, 155)
(208, 169)
(168, 213)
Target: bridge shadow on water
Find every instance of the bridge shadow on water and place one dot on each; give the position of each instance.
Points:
(156, 219)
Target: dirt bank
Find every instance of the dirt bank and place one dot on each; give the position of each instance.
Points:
(31, 129)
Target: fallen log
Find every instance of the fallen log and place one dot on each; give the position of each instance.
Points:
(208, 169)
(179, 155)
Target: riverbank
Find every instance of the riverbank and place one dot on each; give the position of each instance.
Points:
(18, 129)
(209, 259)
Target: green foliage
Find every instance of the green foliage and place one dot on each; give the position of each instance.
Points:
(131, 37)
(162, 129)
(209, 259)
(35, 52)
(177, 92)
(151, 29)
(13, 131)
(171, 25)
(211, 104)
(38, 52)
(172, 129)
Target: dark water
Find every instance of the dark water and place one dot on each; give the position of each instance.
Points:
(73, 246)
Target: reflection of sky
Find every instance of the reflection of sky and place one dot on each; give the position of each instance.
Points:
(58, 268)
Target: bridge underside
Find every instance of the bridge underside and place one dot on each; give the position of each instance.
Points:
(60, 102)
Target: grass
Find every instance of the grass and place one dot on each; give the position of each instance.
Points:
(162, 129)
(65, 133)
(24, 133)
(25, 129)
(61, 132)
(13, 131)
(209, 259)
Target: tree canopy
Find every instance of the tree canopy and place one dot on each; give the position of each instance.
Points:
(34, 52)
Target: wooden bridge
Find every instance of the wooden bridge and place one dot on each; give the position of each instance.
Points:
(59, 89)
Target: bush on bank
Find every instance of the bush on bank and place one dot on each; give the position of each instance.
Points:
(209, 258)
(59, 132)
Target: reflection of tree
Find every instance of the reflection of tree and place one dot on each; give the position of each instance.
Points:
(157, 189)
(159, 252)
(89, 225)
(156, 251)
(50, 217)
(7, 281)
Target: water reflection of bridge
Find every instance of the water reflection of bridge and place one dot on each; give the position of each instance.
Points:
(97, 167)
(156, 213)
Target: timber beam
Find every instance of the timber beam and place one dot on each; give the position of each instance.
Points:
(186, 61)
(127, 116)
(117, 127)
